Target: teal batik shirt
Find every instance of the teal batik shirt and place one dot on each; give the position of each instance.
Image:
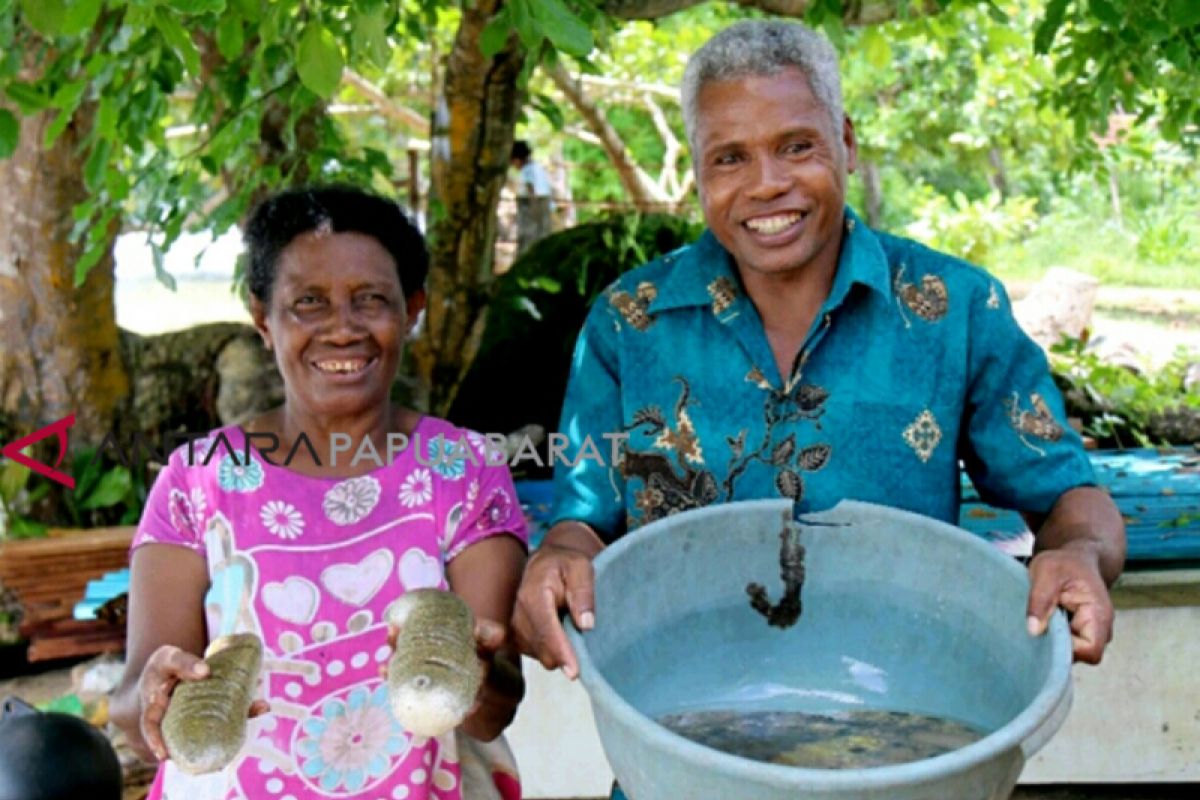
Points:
(914, 364)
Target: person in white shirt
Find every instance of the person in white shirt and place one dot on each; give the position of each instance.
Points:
(535, 204)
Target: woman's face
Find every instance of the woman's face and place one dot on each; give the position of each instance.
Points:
(337, 320)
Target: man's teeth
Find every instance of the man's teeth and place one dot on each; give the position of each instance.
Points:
(772, 224)
(341, 366)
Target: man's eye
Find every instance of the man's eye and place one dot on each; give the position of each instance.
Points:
(726, 158)
(797, 148)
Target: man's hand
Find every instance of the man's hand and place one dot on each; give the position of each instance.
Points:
(1070, 577)
(559, 575)
(502, 688)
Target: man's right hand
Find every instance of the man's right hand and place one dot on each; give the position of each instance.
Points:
(559, 575)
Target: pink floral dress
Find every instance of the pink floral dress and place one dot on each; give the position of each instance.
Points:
(312, 565)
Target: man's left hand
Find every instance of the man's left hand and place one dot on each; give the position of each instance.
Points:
(1070, 577)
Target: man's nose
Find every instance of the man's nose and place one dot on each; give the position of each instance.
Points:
(771, 179)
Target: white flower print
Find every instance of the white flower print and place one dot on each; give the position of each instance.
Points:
(351, 500)
(417, 488)
(282, 519)
(472, 494)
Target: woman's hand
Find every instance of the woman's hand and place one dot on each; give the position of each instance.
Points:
(164, 670)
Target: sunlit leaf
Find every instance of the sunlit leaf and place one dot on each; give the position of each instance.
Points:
(319, 60)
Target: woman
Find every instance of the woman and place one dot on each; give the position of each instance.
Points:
(308, 545)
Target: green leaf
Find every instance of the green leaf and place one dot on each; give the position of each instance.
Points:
(563, 28)
(97, 247)
(69, 96)
(1104, 11)
(21, 528)
(877, 47)
(81, 16)
(250, 9)
(495, 34)
(1186, 13)
(110, 490)
(13, 477)
(178, 40)
(522, 19)
(55, 129)
(10, 133)
(230, 38)
(97, 165)
(45, 16)
(370, 37)
(319, 61)
(108, 114)
(28, 98)
(160, 269)
(1047, 29)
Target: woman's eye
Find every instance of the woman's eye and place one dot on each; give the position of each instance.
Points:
(308, 301)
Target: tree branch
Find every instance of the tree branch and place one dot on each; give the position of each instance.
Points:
(642, 189)
(855, 12)
(389, 107)
(668, 177)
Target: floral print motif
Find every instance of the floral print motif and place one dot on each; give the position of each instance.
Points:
(930, 302)
(447, 457)
(1038, 423)
(351, 500)
(723, 293)
(282, 519)
(417, 489)
(496, 510)
(345, 746)
(235, 476)
(635, 308)
(923, 435)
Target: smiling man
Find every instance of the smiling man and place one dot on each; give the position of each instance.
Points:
(791, 351)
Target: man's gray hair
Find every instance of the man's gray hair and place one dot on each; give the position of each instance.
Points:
(763, 47)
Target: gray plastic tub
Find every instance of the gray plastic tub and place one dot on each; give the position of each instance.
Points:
(901, 613)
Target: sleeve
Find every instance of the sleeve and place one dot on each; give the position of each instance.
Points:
(492, 507)
(1018, 449)
(173, 509)
(588, 485)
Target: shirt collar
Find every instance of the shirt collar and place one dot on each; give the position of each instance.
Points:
(700, 271)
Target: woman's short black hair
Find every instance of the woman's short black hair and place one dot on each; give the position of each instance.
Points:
(279, 219)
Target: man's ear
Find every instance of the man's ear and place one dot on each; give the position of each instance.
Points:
(851, 143)
(258, 314)
(414, 305)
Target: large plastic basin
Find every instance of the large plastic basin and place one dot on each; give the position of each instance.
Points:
(901, 613)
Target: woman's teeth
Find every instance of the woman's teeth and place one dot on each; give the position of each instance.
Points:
(342, 367)
(771, 225)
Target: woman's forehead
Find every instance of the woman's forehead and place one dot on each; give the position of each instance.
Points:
(331, 256)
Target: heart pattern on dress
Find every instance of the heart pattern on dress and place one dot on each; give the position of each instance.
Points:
(294, 600)
(418, 570)
(356, 584)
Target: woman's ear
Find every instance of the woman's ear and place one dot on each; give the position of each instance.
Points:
(258, 314)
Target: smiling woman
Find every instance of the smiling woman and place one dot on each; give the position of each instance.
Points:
(310, 555)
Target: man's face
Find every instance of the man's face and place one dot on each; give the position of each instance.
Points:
(771, 173)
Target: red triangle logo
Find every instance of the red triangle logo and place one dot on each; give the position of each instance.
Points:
(59, 429)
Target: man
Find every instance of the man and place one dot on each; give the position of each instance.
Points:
(791, 351)
(534, 202)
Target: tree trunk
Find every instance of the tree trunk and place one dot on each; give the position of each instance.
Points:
(59, 348)
(472, 140)
(872, 183)
(999, 176)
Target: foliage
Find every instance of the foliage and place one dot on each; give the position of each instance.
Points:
(972, 229)
(105, 493)
(1138, 56)
(1120, 405)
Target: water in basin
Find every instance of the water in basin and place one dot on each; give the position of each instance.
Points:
(838, 740)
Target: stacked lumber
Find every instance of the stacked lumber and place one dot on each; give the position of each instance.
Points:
(50, 575)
